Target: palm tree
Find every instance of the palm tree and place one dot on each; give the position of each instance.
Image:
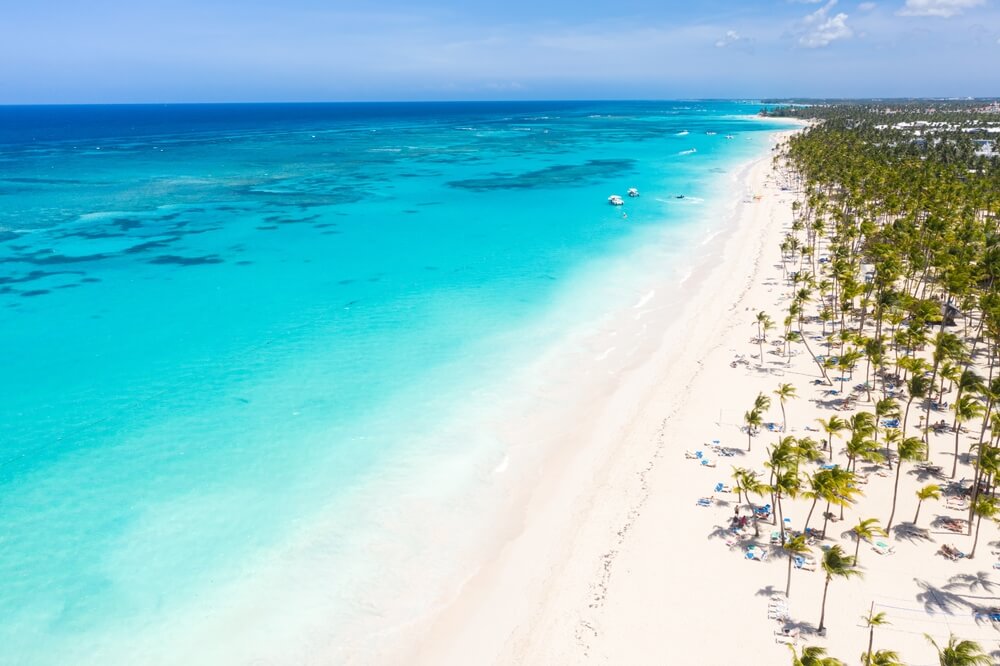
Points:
(761, 403)
(753, 421)
(881, 658)
(892, 436)
(813, 656)
(966, 407)
(872, 620)
(910, 449)
(822, 486)
(885, 408)
(960, 653)
(741, 477)
(835, 564)
(784, 392)
(930, 491)
(986, 507)
(786, 484)
(916, 387)
(752, 485)
(794, 547)
(764, 324)
(947, 346)
(832, 428)
(866, 529)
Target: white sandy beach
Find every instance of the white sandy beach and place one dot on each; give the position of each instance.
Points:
(606, 557)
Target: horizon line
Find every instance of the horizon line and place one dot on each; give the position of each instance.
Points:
(748, 100)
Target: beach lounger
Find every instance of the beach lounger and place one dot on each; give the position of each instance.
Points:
(991, 615)
(882, 548)
(723, 488)
(705, 462)
(804, 563)
(954, 526)
(755, 553)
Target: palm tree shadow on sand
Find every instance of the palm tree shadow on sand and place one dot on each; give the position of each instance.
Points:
(970, 593)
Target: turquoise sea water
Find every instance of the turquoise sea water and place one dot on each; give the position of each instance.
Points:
(222, 324)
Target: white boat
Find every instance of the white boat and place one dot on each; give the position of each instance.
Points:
(711, 133)
(633, 192)
(615, 200)
(730, 136)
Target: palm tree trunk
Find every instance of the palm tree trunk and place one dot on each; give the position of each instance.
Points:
(927, 415)
(871, 635)
(895, 493)
(822, 369)
(822, 612)
(906, 415)
(781, 519)
(788, 582)
(958, 431)
(805, 528)
(975, 541)
(826, 518)
(917, 514)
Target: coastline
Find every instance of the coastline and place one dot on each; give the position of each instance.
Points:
(543, 595)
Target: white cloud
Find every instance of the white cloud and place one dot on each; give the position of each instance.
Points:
(867, 6)
(941, 8)
(820, 29)
(732, 39)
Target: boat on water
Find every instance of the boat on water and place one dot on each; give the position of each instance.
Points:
(633, 192)
(615, 200)
(710, 133)
(730, 136)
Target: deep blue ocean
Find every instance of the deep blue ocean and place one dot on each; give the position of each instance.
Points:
(224, 325)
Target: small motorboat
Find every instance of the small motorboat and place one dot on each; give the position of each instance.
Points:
(633, 192)
(615, 200)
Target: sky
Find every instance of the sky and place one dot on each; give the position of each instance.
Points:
(102, 51)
